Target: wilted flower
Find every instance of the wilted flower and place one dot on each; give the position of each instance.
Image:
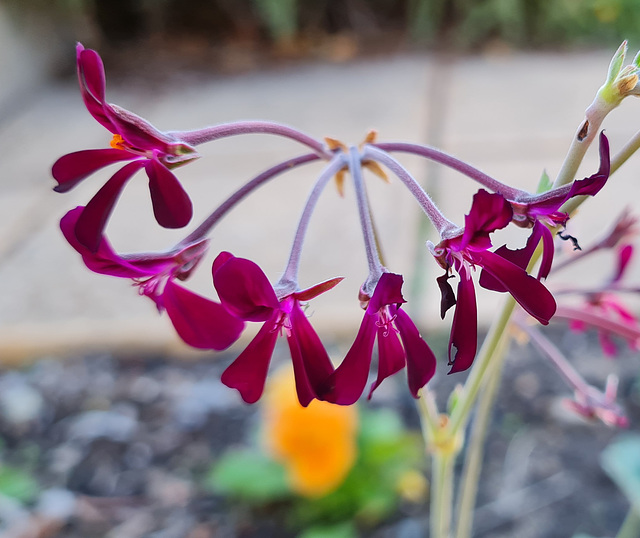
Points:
(201, 323)
(245, 291)
(134, 139)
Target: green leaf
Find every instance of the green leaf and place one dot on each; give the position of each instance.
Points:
(545, 184)
(621, 461)
(248, 475)
(17, 484)
(342, 530)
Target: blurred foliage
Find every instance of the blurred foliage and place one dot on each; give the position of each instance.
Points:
(462, 24)
(386, 473)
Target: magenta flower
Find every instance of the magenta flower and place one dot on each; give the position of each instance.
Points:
(201, 323)
(605, 305)
(385, 320)
(543, 210)
(246, 292)
(468, 250)
(135, 140)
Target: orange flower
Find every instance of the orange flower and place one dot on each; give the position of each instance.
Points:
(315, 444)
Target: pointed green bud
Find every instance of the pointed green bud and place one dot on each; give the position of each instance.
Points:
(545, 184)
(636, 60)
(454, 398)
(616, 63)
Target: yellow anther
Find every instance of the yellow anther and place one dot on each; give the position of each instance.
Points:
(117, 142)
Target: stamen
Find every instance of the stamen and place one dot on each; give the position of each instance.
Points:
(117, 142)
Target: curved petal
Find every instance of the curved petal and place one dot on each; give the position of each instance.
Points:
(72, 168)
(201, 323)
(421, 361)
(92, 84)
(105, 260)
(94, 218)
(171, 204)
(350, 378)
(464, 329)
(489, 212)
(625, 253)
(391, 357)
(248, 373)
(388, 291)
(529, 292)
(139, 132)
(244, 289)
(314, 359)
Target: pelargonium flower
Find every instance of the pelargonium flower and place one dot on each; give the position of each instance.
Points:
(470, 249)
(385, 320)
(200, 322)
(542, 210)
(135, 140)
(606, 305)
(245, 291)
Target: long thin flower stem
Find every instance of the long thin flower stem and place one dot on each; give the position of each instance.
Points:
(631, 524)
(491, 344)
(627, 151)
(474, 452)
(440, 222)
(225, 130)
(441, 494)
(373, 258)
(290, 275)
(454, 163)
(206, 226)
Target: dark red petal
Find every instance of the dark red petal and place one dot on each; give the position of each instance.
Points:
(248, 373)
(388, 291)
(94, 218)
(201, 323)
(529, 292)
(391, 358)
(105, 260)
(464, 329)
(139, 132)
(244, 289)
(447, 297)
(315, 360)
(591, 185)
(171, 204)
(72, 168)
(421, 361)
(92, 84)
(350, 378)
(489, 212)
(521, 257)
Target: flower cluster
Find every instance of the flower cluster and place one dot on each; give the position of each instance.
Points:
(245, 293)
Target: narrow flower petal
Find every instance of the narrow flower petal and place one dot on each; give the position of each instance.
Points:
(171, 204)
(464, 329)
(391, 357)
(314, 291)
(529, 292)
(248, 373)
(447, 297)
(421, 361)
(350, 378)
(93, 219)
(388, 291)
(92, 84)
(71, 169)
(624, 257)
(201, 323)
(244, 289)
(314, 357)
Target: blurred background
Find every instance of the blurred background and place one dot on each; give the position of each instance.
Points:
(110, 426)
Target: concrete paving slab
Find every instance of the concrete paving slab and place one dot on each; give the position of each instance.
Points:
(509, 115)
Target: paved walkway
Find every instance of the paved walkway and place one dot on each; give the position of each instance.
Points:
(511, 115)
